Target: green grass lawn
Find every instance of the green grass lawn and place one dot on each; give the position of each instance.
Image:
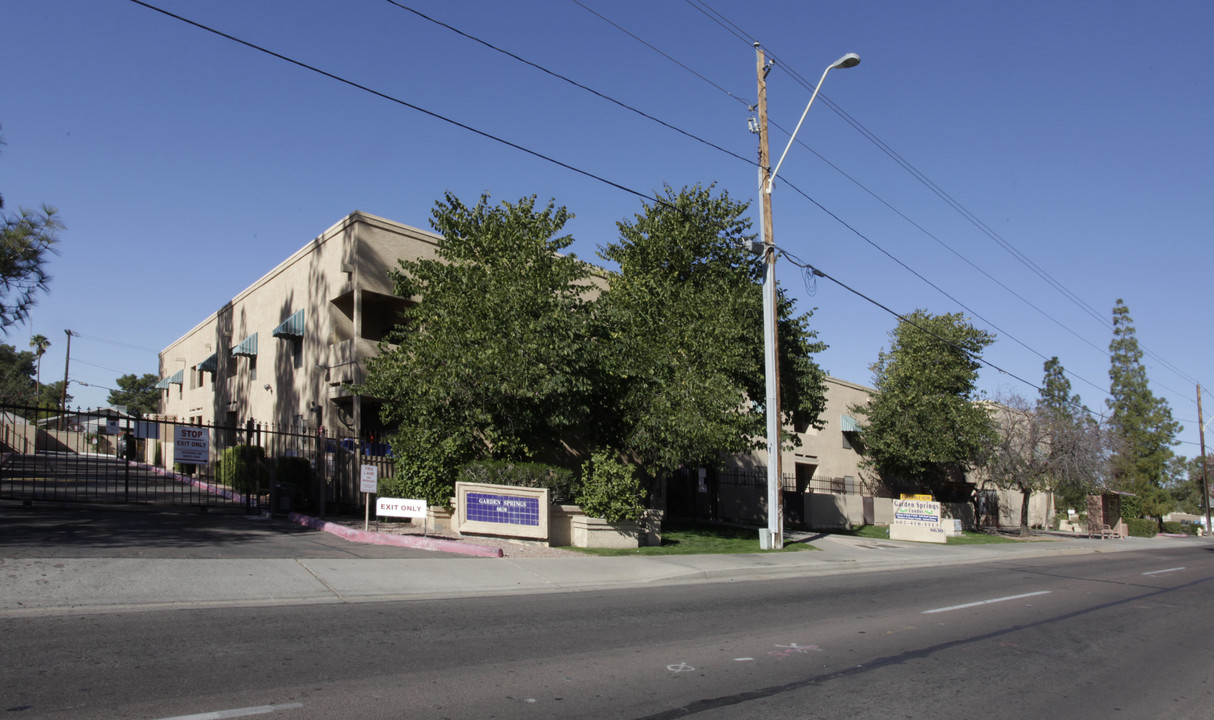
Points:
(678, 539)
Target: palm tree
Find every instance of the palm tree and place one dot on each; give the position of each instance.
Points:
(40, 344)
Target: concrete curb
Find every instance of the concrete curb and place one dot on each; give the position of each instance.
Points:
(411, 541)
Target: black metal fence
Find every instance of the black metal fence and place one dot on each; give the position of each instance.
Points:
(74, 457)
(740, 496)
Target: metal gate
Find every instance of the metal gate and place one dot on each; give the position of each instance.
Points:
(74, 457)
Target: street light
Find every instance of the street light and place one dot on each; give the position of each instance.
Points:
(849, 60)
(775, 507)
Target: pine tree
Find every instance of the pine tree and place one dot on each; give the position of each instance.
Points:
(1142, 427)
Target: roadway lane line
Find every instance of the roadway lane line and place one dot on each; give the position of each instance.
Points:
(238, 712)
(985, 602)
(1160, 572)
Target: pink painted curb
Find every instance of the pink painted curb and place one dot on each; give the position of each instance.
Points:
(372, 538)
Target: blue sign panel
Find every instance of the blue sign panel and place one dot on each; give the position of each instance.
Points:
(505, 509)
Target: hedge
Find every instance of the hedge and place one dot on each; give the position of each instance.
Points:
(1142, 527)
(558, 480)
(243, 468)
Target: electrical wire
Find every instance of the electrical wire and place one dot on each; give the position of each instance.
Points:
(576, 84)
(546, 158)
(398, 101)
(636, 37)
(956, 205)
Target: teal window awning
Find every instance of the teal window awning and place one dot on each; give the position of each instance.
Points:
(177, 378)
(210, 364)
(164, 383)
(849, 423)
(247, 347)
(292, 327)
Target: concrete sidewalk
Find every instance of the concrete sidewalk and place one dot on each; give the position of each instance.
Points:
(33, 585)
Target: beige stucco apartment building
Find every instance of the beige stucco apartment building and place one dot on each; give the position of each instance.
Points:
(286, 350)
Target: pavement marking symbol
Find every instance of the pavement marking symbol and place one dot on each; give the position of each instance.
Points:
(791, 649)
(986, 602)
(1160, 572)
(742, 659)
(681, 667)
(238, 712)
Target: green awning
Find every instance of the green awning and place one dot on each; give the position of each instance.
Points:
(164, 383)
(210, 364)
(247, 347)
(849, 423)
(292, 326)
(177, 378)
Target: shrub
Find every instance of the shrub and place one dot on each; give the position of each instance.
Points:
(296, 472)
(558, 480)
(1180, 528)
(421, 477)
(1142, 527)
(242, 468)
(609, 489)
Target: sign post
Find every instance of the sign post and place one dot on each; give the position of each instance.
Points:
(369, 484)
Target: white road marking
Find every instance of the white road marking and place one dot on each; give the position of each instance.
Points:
(238, 712)
(1160, 572)
(742, 659)
(986, 602)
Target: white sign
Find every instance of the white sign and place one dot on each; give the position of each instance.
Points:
(191, 444)
(395, 507)
(917, 520)
(369, 479)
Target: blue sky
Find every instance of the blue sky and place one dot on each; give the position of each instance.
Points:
(186, 165)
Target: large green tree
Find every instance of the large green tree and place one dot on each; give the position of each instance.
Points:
(492, 359)
(1141, 424)
(683, 318)
(27, 238)
(137, 392)
(924, 428)
(17, 383)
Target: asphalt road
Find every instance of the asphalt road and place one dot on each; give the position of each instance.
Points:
(1093, 636)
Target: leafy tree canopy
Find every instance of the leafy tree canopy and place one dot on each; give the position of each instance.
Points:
(923, 428)
(492, 360)
(137, 392)
(27, 238)
(684, 317)
(17, 368)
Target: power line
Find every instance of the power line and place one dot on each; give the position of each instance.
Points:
(656, 50)
(733, 29)
(576, 84)
(398, 101)
(902, 318)
(957, 206)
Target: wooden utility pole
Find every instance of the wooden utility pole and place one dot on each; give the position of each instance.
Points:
(771, 316)
(63, 396)
(1201, 437)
